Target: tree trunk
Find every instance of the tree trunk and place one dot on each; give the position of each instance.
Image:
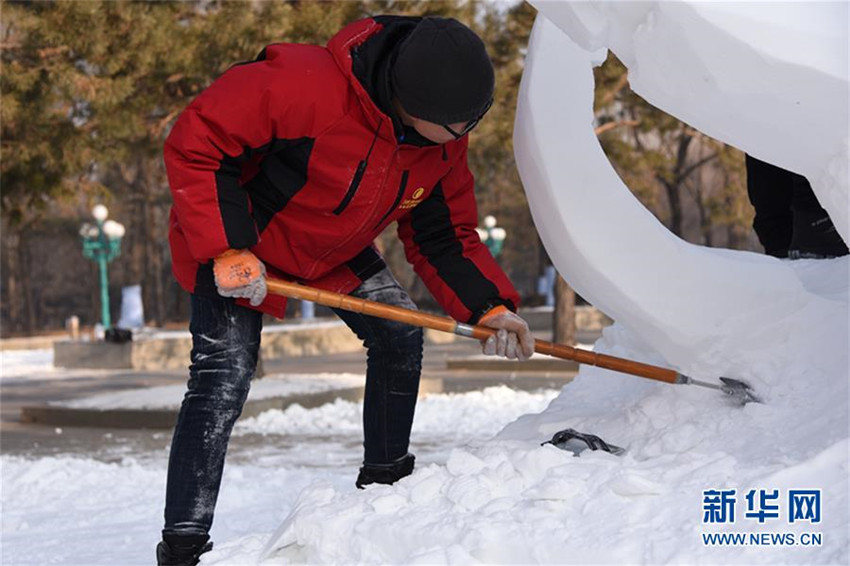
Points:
(564, 316)
(14, 301)
(673, 187)
(26, 286)
(704, 220)
(675, 202)
(154, 274)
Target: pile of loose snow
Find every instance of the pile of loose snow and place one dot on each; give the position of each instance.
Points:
(513, 501)
(479, 414)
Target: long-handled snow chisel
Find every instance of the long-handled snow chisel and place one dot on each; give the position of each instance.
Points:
(736, 389)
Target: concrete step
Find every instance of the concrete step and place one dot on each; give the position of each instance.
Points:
(170, 350)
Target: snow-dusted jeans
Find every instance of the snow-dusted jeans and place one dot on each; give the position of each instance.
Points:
(225, 346)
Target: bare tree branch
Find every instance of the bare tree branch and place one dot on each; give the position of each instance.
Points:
(618, 86)
(611, 125)
(697, 165)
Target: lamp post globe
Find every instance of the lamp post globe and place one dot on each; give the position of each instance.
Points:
(113, 230)
(492, 235)
(100, 212)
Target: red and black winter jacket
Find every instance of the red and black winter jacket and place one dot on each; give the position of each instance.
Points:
(298, 157)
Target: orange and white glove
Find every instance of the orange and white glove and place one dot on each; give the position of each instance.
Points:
(239, 274)
(513, 340)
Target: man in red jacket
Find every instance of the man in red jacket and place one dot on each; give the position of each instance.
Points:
(292, 165)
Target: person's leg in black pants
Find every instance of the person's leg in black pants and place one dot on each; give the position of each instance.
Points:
(225, 347)
(814, 236)
(789, 221)
(771, 191)
(393, 368)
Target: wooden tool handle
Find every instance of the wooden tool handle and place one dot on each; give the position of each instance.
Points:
(354, 304)
(446, 324)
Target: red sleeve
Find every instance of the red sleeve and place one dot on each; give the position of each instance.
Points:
(287, 93)
(441, 243)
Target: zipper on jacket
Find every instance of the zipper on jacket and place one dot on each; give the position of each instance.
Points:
(401, 187)
(352, 188)
(354, 233)
(358, 176)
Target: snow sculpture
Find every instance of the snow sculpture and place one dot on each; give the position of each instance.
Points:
(707, 311)
(771, 80)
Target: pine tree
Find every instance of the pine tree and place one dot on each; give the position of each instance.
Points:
(675, 170)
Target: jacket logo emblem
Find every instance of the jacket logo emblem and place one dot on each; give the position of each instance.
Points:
(414, 199)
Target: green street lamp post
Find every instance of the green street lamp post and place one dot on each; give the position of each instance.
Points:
(102, 243)
(492, 235)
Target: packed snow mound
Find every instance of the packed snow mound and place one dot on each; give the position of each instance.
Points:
(451, 416)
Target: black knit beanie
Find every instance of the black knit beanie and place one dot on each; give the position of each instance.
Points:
(442, 72)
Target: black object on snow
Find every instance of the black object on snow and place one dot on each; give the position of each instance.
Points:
(577, 442)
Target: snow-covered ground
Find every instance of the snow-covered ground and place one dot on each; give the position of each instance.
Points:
(24, 363)
(74, 509)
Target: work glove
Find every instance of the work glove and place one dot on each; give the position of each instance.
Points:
(513, 340)
(239, 274)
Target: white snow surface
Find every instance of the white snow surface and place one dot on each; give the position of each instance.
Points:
(28, 365)
(83, 511)
(21, 363)
(476, 413)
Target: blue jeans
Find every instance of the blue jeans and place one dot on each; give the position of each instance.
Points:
(225, 347)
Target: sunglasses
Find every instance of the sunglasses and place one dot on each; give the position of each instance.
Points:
(469, 125)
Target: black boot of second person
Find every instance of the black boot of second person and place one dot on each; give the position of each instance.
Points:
(385, 473)
(815, 237)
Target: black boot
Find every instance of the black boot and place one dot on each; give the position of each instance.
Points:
(385, 473)
(182, 550)
(815, 237)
